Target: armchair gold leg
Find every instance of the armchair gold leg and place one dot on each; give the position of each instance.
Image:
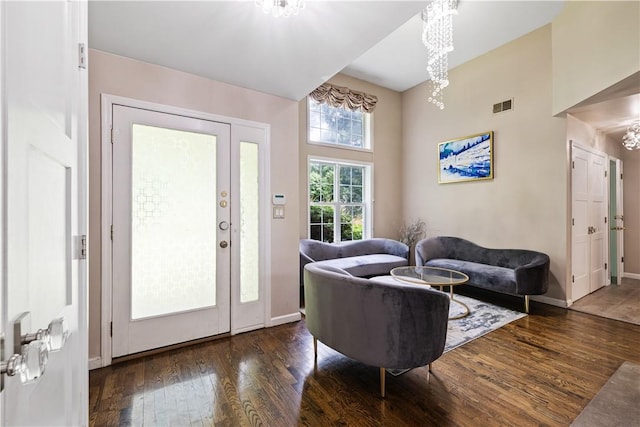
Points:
(382, 378)
(526, 304)
(315, 348)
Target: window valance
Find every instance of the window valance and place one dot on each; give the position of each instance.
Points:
(338, 96)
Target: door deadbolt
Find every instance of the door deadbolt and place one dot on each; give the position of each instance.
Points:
(224, 244)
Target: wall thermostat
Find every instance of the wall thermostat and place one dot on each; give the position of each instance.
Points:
(279, 199)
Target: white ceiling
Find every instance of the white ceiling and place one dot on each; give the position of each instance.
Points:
(399, 61)
(376, 41)
(234, 42)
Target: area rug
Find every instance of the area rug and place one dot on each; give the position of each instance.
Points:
(482, 319)
(616, 404)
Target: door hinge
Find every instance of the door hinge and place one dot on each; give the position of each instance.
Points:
(573, 164)
(112, 135)
(620, 176)
(573, 221)
(605, 174)
(573, 278)
(83, 246)
(112, 232)
(110, 329)
(605, 219)
(605, 266)
(82, 56)
(622, 260)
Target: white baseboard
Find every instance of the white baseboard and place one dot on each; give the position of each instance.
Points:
(631, 275)
(287, 318)
(551, 301)
(95, 363)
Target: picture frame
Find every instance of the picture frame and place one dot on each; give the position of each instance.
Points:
(466, 159)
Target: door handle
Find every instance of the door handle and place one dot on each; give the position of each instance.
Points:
(54, 336)
(31, 350)
(29, 363)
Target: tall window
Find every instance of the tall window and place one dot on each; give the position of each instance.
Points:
(339, 201)
(338, 126)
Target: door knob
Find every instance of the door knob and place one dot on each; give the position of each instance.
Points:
(224, 244)
(29, 364)
(54, 336)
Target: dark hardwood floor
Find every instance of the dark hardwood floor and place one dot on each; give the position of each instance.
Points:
(539, 370)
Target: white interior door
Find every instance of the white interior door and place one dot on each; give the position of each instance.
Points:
(589, 224)
(171, 233)
(44, 201)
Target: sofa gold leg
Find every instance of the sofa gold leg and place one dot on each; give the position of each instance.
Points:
(382, 378)
(429, 373)
(526, 304)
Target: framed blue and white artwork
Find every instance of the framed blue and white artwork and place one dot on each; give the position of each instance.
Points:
(466, 159)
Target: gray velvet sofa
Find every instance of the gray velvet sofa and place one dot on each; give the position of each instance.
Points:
(388, 325)
(362, 258)
(511, 271)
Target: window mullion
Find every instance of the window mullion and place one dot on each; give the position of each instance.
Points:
(336, 210)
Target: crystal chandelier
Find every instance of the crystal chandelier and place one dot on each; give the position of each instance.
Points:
(631, 140)
(437, 36)
(279, 8)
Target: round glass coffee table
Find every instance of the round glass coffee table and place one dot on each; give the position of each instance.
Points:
(434, 276)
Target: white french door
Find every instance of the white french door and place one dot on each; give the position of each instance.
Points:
(43, 127)
(171, 229)
(589, 220)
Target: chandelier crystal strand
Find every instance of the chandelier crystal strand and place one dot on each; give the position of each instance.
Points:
(631, 140)
(437, 36)
(278, 8)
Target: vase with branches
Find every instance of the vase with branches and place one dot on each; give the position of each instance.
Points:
(410, 233)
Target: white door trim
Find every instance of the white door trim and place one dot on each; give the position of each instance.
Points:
(107, 101)
(619, 211)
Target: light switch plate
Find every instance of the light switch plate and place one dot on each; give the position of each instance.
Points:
(278, 212)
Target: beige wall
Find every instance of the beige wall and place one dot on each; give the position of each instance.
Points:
(386, 156)
(116, 75)
(525, 205)
(585, 134)
(595, 45)
(631, 201)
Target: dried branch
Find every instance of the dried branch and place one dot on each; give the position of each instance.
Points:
(412, 232)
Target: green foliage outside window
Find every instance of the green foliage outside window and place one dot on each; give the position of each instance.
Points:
(324, 202)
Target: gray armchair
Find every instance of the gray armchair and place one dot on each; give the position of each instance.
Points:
(388, 325)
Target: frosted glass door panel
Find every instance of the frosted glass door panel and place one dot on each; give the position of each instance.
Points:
(249, 220)
(173, 234)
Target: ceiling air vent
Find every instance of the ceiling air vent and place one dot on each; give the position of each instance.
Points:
(503, 106)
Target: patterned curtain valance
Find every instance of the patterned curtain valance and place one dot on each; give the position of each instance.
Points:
(338, 96)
